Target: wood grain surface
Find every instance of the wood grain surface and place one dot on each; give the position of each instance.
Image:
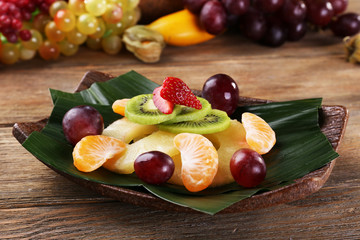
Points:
(36, 203)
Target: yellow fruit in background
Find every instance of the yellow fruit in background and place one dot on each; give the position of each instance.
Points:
(181, 28)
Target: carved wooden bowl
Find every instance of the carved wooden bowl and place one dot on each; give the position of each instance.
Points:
(333, 120)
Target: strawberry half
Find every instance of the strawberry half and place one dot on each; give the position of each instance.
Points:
(163, 105)
(177, 92)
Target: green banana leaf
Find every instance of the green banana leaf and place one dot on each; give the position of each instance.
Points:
(301, 146)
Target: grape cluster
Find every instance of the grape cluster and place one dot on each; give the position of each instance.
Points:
(273, 22)
(53, 27)
(14, 12)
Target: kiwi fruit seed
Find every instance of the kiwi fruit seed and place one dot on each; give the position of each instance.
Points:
(191, 114)
(141, 109)
(214, 121)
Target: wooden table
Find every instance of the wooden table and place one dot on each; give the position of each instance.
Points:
(37, 203)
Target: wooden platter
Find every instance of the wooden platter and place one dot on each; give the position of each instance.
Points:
(333, 120)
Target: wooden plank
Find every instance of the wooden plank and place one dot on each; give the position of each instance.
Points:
(36, 203)
(256, 69)
(117, 220)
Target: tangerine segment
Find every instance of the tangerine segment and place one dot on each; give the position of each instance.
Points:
(259, 135)
(119, 106)
(91, 152)
(199, 160)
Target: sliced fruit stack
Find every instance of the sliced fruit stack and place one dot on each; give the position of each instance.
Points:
(176, 137)
(174, 108)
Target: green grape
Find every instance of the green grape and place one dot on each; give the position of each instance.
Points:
(123, 3)
(100, 30)
(87, 24)
(94, 44)
(67, 48)
(26, 54)
(56, 6)
(49, 50)
(133, 4)
(133, 16)
(129, 19)
(76, 37)
(65, 20)
(77, 7)
(9, 53)
(40, 21)
(53, 33)
(95, 7)
(112, 44)
(35, 40)
(115, 29)
(113, 13)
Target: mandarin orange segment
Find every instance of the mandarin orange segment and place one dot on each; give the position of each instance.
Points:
(119, 106)
(91, 152)
(199, 160)
(259, 135)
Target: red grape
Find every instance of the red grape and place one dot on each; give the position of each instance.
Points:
(232, 20)
(25, 15)
(319, 12)
(213, 17)
(80, 122)
(268, 6)
(3, 7)
(339, 6)
(275, 35)
(154, 167)
(11, 36)
(254, 25)
(293, 11)
(194, 6)
(16, 24)
(5, 21)
(247, 167)
(346, 25)
(236, 7)
(296, 31)
(25, 35)
(30, 7)
(222, 92)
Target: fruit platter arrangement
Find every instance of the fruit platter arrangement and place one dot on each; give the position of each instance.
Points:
(50, 28)
(170, 147)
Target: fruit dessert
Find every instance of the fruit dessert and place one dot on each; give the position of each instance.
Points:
(173, 136)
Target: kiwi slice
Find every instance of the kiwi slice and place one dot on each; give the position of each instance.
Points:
(141, 109)
(214, 121)
(191, 114)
